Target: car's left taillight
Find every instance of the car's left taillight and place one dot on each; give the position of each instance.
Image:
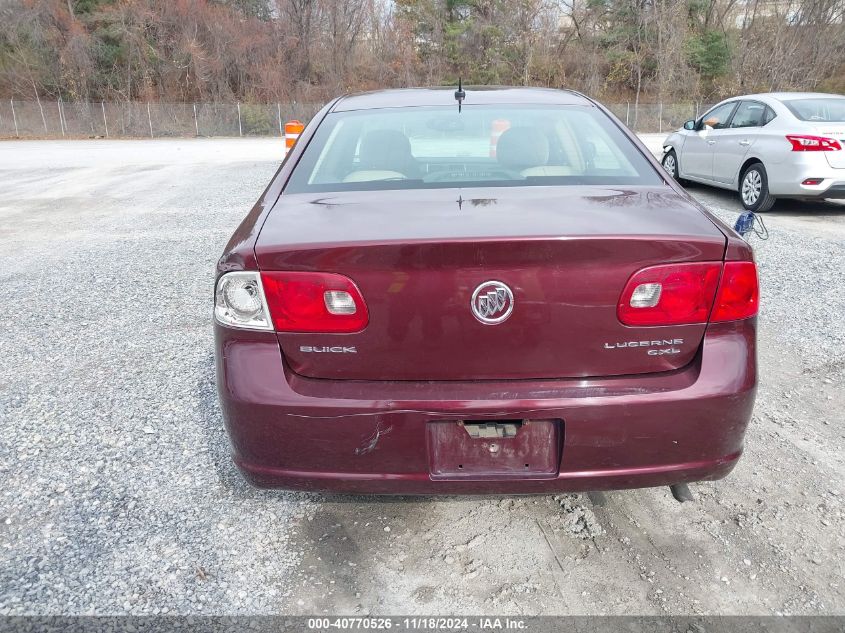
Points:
(314, 302)
(290, 301)
(239, 301)
(809, 143)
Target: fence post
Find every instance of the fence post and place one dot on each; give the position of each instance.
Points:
(240, 128)
(59, 110)
(14, 118)
(660, 118)
(628, 113)
(196, 122)
(62, 112)
(43, 118)
(279, 107)
(150, 119)
(105, 122)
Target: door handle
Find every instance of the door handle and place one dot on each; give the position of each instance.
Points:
(711, 142)
(745, 142)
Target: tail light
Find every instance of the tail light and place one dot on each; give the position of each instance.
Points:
(805, 143)
(290, 302)
(239, 301)
(314, 302)
(739, 293)
(670, 294)
(679, 294)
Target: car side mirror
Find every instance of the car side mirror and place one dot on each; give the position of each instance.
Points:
(689, 125)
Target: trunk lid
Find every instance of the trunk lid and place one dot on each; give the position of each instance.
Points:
(837, 131)
(418, 256)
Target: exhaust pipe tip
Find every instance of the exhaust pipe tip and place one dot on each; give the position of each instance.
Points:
(681, 492)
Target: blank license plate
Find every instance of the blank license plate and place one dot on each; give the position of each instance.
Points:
(529, 448)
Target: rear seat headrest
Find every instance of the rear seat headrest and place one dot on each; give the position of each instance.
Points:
(385, 149)
(522, 147)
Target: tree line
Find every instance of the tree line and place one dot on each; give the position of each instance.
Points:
(310, 50)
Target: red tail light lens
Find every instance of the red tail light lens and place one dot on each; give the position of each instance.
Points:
(805, 143)
(670, 294)
(314, 302)
(679, 294)
(739, 293)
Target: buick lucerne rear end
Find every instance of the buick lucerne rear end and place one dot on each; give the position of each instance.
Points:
(507, 297)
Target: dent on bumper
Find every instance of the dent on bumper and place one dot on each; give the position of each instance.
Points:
(353, 436)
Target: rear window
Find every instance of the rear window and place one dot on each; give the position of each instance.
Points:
(437, 147)
(824, 110)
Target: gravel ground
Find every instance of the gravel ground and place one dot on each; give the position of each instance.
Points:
(119, 495)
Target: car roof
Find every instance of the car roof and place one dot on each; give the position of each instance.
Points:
(445, 95)
(787, 96)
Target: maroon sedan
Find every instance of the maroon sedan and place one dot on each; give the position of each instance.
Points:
(503, 295)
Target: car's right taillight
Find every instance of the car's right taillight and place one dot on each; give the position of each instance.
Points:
(808, 143)
(669, 294)
(689, 293)
(738, 296)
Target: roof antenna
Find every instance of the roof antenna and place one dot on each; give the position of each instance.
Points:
(460, 95)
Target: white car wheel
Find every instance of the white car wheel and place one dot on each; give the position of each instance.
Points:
(754, 189)
(670, 164)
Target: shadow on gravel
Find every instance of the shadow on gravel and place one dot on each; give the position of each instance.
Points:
(349, 545)
(730, 200)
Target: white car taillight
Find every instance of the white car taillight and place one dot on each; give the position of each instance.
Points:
(807, 143)
(239, 301)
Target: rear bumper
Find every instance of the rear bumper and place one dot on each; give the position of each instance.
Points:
(835, 191)
(785, 179)
(370, 437)
(828, 189)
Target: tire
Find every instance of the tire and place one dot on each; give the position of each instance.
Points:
(670, 164)
(754, 189)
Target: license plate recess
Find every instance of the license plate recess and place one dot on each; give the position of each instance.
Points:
(482, 449)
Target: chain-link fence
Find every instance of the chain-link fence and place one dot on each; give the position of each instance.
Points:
(656, 117)
(58, 119)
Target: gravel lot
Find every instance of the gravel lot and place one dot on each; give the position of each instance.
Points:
(119, 495)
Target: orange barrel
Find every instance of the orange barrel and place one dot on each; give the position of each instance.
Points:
(292, 131)
(497, 127)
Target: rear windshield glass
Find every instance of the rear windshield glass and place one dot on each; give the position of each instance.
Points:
(823, 110)
(437, 147)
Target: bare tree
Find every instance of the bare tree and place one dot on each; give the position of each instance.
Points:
(268, 50)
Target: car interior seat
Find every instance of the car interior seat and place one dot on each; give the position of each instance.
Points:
(383, 155)
(526, 150)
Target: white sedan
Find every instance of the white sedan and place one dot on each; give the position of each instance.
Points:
(765, 146)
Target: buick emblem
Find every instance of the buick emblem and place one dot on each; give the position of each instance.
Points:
(492, 302)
